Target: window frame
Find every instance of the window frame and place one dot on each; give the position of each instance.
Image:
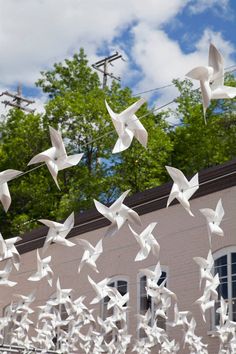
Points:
(139, 276)
(226, 251)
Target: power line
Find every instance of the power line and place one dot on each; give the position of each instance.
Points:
(155, 109)
(139, 205)
(171, 85)
(99, 138)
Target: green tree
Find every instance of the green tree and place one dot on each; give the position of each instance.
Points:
(76, 106)
(198, 145)
(33, 194)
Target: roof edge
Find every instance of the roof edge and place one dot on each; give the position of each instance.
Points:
(211, 180)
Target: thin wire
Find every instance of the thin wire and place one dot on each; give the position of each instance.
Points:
(170, 85)
(111, 131)
(133, 283)
(135, 207)
(126, 246)
(99, 138)
(154, 89)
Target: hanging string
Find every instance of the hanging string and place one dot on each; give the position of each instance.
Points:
(139, 205)
(171, 85)
(155, 109)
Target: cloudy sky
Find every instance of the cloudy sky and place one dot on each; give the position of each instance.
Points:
(160, 40)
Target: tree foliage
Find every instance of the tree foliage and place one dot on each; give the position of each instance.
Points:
(198, 145)
(76, 106)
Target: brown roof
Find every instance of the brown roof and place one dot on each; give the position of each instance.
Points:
(211, 180)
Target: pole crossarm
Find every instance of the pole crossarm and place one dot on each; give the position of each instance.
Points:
(104, 63)
(17, 100)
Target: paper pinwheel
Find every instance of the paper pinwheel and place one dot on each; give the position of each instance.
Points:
(211, 79)
(61, 296)
(43, 270)
(91, 254)
(127, 126)
(116, 299)
(56, 157)
(100, 288)
(180, 317)
(214, 218)
(8, 250)
(4, 274)
(118, 214)
(5, 197)
(206, 266)
(25, 301)
(147, 242)
(182, 189)
(57, 232)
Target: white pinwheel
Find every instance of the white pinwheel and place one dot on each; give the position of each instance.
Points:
(90, 255)
(116, 299)
(180, 317)
(23, 305)
(100, 288)
(4, 275)
(61, 296)
(182, 189)
(118, 214)
(214, 218)
(57, 232)
(56, 157)
(12, 251)
(127, 126)
(8, 250)
(211, 79)
(223, 310)
(206, 266)
(43, 270)
(6, 176)
(147, 242)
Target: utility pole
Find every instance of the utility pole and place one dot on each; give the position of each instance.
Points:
(104, 63)
(18, 100)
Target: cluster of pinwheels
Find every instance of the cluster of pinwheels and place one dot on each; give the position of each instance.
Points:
(65, 334)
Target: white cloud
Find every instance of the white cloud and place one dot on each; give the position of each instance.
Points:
(161, 59)
(198, 6)
(35, 34)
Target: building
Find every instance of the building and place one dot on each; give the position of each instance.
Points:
(181, 237)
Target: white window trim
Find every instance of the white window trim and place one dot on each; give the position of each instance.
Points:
(226, 251)
(139, 276)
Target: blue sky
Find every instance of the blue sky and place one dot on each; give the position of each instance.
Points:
(160, 40)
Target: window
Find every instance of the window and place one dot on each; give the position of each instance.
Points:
(146, 302)
(121, 284)
(225, 266)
